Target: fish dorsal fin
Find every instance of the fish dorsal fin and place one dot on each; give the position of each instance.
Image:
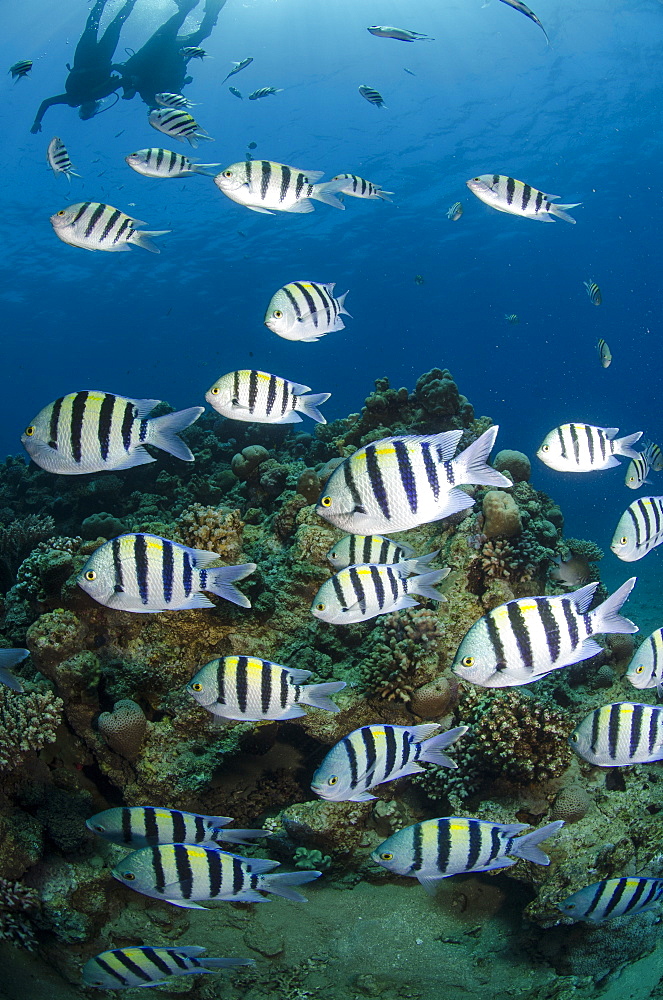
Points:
(611, 432)
(298, 389)
(583, 598)
(297, 676)
(443, 444)
(190, 950)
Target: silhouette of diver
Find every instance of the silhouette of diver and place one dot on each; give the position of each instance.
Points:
(159, 66)
(90, 79)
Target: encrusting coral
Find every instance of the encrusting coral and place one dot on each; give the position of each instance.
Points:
(215, 529)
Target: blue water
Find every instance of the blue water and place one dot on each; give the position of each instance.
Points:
(578, 118)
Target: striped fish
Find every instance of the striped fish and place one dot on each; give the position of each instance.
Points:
(511, 318)
(359, 593)
(9, 658)
(639, 529)
(144, 826)
(525, 639)
(145, 573)
(264, 398)
(182, 873)
(353, 549)
(516, 198)
(585, 448)
(122, 968)
(613, 897)
(235, 92)
(656, 458)
(267, 187)
(620, 734)
(95, 226)
(646, 668)
(594, 292)
(305, 310)
(20, 69)
(373, 97)
(178, 124)
(250, 689)
(400, 482)
(455, 211)
(401, 34)
(156, 162)
(58, 160)
(264, 92)
(167, 100)
(194, 52)
(357, 187)
(637, 471)
(605, 356)
(93, 431)
(454, 845)
(524, 9)
(237, 67)
(372, 755)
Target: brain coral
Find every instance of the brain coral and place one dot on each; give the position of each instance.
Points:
(501, 515)
(124, 728)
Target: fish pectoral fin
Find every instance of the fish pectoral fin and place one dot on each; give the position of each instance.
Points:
(195, 601)
(588, 648)
(362, 797)
(261, 211)
(139, 456)
(429, 882)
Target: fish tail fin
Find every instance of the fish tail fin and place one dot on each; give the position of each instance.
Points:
(318, 695)
(472, 464)
(207, 169)
(384, 195)
(221, 579)
(223, 963)
(341, 304)
(561, 213)
(309, 405)
(9, 658)
(605, 618)
(143, 238)
(420, 563)
(431, 749)
(163, 431)
(281, 884)
(327, 191)
(622, 446)
(527, 846)
(423, 585)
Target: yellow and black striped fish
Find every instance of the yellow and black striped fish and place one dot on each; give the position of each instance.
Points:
(251, 689)
(512, 318)
(646, 668)
(178, 125)
(58, 158)
(613, 897)
(506, 194)
(353, 549)
(20, 69)
(157, 162)
(454, 845)
(166, 100)
(305, 310)
(373, 96)
(122, 968)
(92, 225)
(594, 292)
(605, 355)
(585, 448)
(265, 186)
(143, 826)
(93, 431)
(268, 399)
(182, 873)
(620, 734)
(144, 573)
(639, 529)
(455, 211)
(358, 593)
(357, 187)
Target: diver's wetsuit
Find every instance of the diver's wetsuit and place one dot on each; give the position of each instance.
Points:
(90, 78)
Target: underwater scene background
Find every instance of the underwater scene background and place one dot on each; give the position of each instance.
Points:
(455, 325)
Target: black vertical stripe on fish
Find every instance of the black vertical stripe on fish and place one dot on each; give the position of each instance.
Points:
(406, 473)
(369, 749)
(417, 848)
(265, 687)
(636, 525)
(636, 729)
(519, 628)
(157, 960)
(271, 393)
(613, 730)
(181, 962)
(474, 847)
(151, 825)
(570, 616)
(366, 552)
(299, 185)
(496, 179)
(495, 639)
(390, 749)
(143, 428)
(449, 470)
(357, 586)
(495, 843)
(431, 471)
(241, 683)
(375, 477)
(635, 897)
(264, 180)
(353, 547)
(131, 966)
(126, 224)
(285, 182)
(127, 424)
(562, 442)
(352, 760)
(179, 827)
(653, 728)
(394, 580)
(285, 689)
(220, 682)
(253, 389)
(159, 158)
(236, 387)
(605, 445)
(94, 219)
(575, 441)
(384, 550)
(510, 189)
(285, 396)
(338, 590)
(104, 965)
(187, 573)
(643, 507)
(183, 867)
(77, 417)
(406, 745)
(657, 516)
(527, 194)
(443, 844)
(324, 298)
(108, 228)
(539, 201)
(590, 441)
(351, 485)
(53, 428)
(199, 824)
(215, 872)
(379, 587)
(596, 730)
(81, 212)
(310, 302)
(617, 894)
(202, 582)
(117, 565)
(550, 627)
(654, 892)
(126, 825)
(105, 423)
(293, 300)
(238, 876)
(595, 901)
(157, 866)
(167, 570)
(142, 566)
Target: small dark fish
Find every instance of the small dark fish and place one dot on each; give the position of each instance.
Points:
(264, 92)
(20, 69)
(251, 145)
(406, 70)
(605, 355)
(194, 52)
(594, 292)
(237, 67)
(419, 279)
(247, 157)
(372, 96)
(400, 34)
(524, 9)
(235, 92)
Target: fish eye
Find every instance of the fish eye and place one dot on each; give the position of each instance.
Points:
(277, 314)
(326, 501)
(333, 780)
(128, 876)
(197, 686)
(90, 575)
(545, 447)
(215, 390)
(467, 661)
(99, 829)
(29, 431)
(573, 737)
(61, 212)
(623, 540)
(639, 669)
(631, 479)
(320, 607)
(387, 856)
(227, 173)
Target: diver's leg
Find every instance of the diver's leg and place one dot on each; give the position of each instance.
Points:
(210, 17)
(43, 108)
(108, 42)
(87, 43)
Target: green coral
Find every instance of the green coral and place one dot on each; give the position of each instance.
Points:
(312, 859)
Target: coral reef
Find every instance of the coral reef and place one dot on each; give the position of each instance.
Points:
(28, 723)
(124, 728)
(18, 905)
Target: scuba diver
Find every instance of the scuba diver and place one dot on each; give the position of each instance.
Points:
(160, 65)
(91, 77)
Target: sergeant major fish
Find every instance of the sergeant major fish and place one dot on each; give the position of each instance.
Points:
(123, 968)
(264, 92)
(523, 640)
(258, 396)
(646, 667)
(178, 125)
(639, 530)
(266, 187)
(357, 187)
(183, 873)
(20, 69)
(235, 92)
(58, 159)
(156, 162)
(639, 468)
(353, 549)
(143, 826)
(9, 658)
(517, 198)
(92, 225)
(373, 96)
(605, 357)
(454, 845)
(585, 448)
(400, 482)
(524, 9)
(237, 68)
(455, 211)
(93, 431)
(594, 292)
(613, 897)
(360, 592)
(512, 318)
(144, 573)
(305, 310)
(251, 689)
(372, 755)
(167, 100)
(194, 52)
(400, 34)
(620, 734)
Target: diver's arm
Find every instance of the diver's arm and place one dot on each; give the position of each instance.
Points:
(43, 108)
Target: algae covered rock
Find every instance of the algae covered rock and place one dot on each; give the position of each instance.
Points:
(501, 515)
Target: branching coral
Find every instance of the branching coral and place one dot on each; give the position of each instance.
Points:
(19, 537)
(28, 722)
(397, 648)
(216, 529)
(17, 902)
